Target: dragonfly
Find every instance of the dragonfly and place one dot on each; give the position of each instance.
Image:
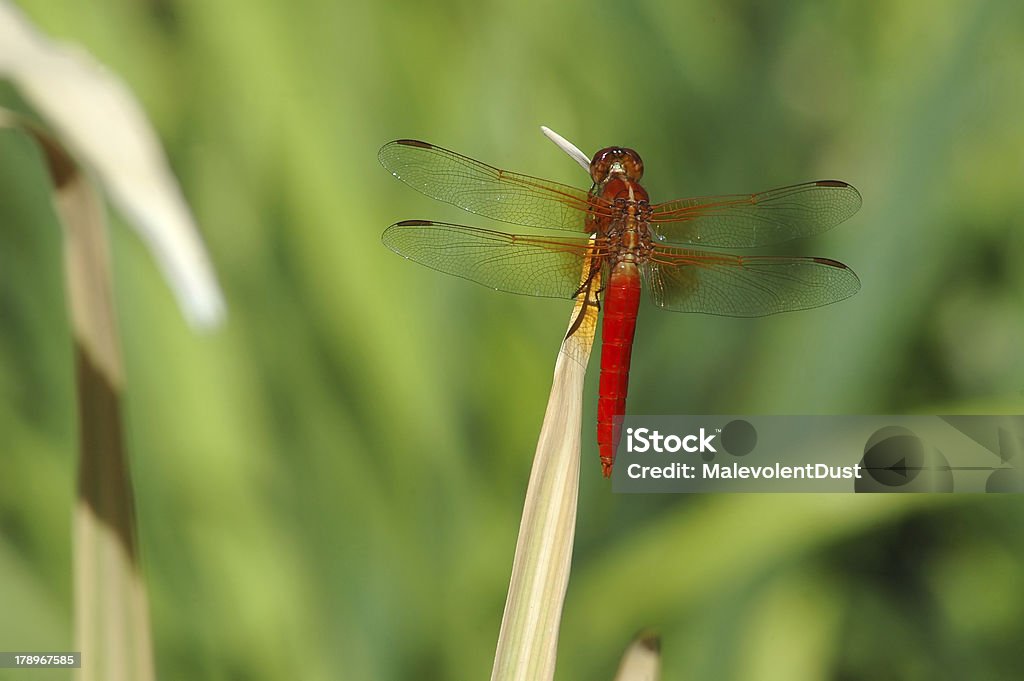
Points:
(620, 243)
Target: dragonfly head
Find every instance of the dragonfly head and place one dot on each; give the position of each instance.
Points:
(613, 162)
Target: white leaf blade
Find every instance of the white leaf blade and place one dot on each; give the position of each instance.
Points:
(528, 640)
(99, 119)
(568, 147)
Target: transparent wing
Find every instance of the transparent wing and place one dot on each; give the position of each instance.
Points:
(488, 191)
(751, 220)
(736, 286)
(533, 266)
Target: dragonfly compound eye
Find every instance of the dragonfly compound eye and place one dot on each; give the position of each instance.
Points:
(612, 161)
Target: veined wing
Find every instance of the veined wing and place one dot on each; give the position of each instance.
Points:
(744, 286)
(488, 191)
(751, 220)
(548, 267)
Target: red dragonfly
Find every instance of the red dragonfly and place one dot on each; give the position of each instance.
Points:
(622, 237)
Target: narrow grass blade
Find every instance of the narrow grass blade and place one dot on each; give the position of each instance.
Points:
(568, 147)
(111, 610)
(642, 660)
(528, 639)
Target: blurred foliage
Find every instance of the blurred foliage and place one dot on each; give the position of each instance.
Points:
(329, 487)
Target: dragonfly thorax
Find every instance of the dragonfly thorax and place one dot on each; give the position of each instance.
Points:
(629, 242)
(622, 192)
(619, 204)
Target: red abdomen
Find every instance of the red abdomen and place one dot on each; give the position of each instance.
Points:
(621, 301)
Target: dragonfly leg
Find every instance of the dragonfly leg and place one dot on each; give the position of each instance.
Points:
(590, 297)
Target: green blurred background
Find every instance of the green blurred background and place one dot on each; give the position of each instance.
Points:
(329, 486)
